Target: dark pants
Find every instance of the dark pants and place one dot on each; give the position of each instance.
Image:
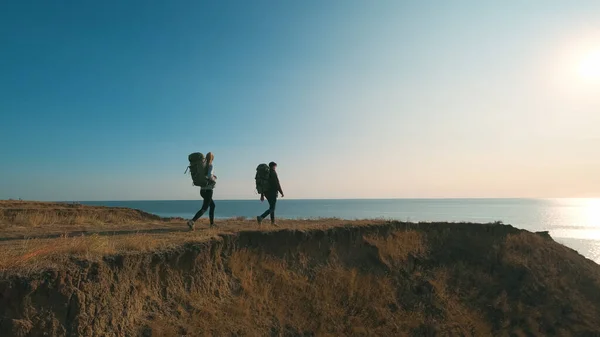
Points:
(272, 199)
(208, 202)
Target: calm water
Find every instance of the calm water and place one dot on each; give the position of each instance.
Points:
(572, 222)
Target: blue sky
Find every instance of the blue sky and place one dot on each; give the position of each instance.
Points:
(104, 100)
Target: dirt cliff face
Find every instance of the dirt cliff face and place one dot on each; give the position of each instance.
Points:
(391, 279)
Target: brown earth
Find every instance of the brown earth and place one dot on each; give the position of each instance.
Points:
(20, 219)
(326, 277)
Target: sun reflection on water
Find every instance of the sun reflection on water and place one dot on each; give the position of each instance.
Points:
(579, 226)
(591, 212)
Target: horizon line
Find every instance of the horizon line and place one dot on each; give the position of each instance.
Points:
(318, 199)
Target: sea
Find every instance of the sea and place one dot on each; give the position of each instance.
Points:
(572, 222)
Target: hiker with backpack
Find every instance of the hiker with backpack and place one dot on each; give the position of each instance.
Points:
(267, 183)
(203, 175)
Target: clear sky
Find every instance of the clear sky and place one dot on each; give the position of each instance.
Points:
(104, 100)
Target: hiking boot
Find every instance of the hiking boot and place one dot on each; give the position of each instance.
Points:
(190, 224)
(273, 223)
(212, 225)
(259, 220)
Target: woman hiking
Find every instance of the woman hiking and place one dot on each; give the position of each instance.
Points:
(206, 192)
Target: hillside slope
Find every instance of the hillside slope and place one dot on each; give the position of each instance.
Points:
(386, 279)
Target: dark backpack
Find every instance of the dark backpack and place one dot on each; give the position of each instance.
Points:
(262, 178)
(197, 169)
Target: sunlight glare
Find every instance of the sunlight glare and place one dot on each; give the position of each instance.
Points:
(573, 72)
(592, 213)
(589, 66)
(584, 223)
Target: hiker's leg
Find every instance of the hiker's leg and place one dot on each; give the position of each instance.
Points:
(205, 204)
(270, 201)
(273, 209)
(267, 212)
(211, 212)
(272, 204)
(207, 198)
(198, 215)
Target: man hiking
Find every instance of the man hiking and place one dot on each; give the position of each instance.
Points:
(271, 194)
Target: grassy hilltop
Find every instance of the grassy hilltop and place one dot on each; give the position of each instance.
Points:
(72, 270)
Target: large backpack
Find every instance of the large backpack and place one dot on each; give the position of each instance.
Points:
(262, 178)
(197, 169)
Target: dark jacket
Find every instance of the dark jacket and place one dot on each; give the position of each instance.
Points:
(274, 185)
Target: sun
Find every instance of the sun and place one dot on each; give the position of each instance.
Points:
(589, 66)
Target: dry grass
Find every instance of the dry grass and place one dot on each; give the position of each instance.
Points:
(464, 318)
(22, 219)
(34, 219)
(31, 255)
(42, 217)
(267, 295)
(522, 249)
(323, 277)
(399, 246)
(315, 302)
(92, 232)
(25, 227)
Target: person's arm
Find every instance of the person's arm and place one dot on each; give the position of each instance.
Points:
(209, 174)
(279, 186)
